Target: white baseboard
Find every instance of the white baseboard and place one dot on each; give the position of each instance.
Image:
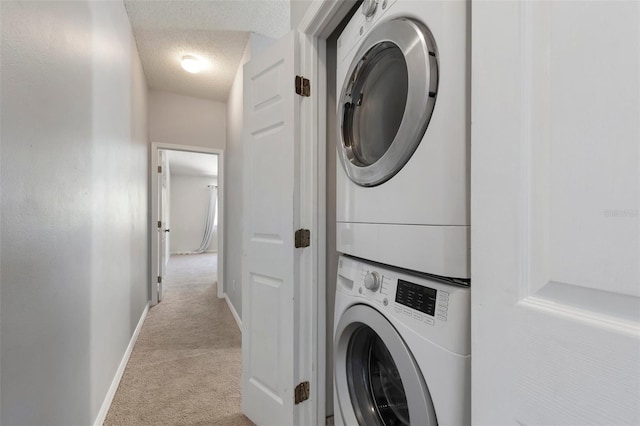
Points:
(102, 414)
(233, 312)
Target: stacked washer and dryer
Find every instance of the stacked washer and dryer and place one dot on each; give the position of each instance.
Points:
(402, 349)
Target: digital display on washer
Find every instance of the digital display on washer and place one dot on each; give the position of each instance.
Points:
(417, 297)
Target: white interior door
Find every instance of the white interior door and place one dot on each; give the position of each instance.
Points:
(270, 267)
(555, 219)
(163, 228)
(166, 220)
(164, 212)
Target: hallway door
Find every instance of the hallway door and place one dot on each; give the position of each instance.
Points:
(163, 220)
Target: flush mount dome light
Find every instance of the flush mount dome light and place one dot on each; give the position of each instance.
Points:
(191, 64)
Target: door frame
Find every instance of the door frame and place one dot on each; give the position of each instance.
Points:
(154, 210)
(318, 23)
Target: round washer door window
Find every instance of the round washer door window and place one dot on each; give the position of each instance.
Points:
(377, 380)
(374, 381)
(387, 100)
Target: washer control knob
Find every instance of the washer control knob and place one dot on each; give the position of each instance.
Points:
(369, 7)
(372, 281)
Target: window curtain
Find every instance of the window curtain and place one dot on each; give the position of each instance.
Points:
(211, 220)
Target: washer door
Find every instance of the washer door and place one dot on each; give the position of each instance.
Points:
(376, 378)
(387, 100)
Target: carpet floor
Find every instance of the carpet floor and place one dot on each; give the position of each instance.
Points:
(185, 367)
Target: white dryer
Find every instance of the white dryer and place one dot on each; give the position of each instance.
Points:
(404, 113)
(402, 347)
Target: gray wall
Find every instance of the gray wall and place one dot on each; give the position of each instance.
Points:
(185, 120)
(189, 205)
(298, 9)
(233, 202)
(233, 170)
(74, 170)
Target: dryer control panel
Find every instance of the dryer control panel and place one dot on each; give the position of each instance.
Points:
(436, 310)
(361, 23)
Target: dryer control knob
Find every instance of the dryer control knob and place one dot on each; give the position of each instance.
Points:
(372, 281)
(369, 7)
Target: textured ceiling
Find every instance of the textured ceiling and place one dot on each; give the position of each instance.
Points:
(192, 163)
(216, 31)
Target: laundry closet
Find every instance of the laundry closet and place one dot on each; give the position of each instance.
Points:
(412, 186)
(401, 337)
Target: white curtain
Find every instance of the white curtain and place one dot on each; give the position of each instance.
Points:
(211, 220)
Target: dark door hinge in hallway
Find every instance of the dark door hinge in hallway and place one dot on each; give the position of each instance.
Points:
(301, 392)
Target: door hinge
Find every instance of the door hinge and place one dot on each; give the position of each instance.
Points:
(159, 169)
(303, 86)
(159, 279)
(301, 392)
(302, 238)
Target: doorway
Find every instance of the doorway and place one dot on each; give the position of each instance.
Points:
(187, 196)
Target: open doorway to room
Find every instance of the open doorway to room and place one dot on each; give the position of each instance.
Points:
(189, 203)
(187, 197)
(192, 209)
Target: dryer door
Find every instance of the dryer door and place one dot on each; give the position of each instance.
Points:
(376, 378)
(387, 100)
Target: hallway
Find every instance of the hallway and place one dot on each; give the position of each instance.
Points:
(185, 368)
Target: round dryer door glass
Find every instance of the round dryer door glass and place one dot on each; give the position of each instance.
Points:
(375, 385)
(387, 100)
(377, 90)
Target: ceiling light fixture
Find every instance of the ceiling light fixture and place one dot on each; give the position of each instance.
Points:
(191, 64)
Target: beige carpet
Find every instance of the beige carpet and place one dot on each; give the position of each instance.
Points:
(185, 367)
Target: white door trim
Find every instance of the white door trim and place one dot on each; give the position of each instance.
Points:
(320, 20)
(155, 147)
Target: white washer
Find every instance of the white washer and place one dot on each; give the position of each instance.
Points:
(404, 113)
(402, 347)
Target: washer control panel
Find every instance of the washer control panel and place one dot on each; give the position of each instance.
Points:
(415, 296)
(430, 307)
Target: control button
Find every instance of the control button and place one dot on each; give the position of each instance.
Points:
(372, 281)
(441, 318)
(443, 304)
(417, 316)
(443, 295)
(385, 302)
(429, 321)
(442, 312)
(369, 7)
(398, 309)
(384, 4)
(407, 311)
